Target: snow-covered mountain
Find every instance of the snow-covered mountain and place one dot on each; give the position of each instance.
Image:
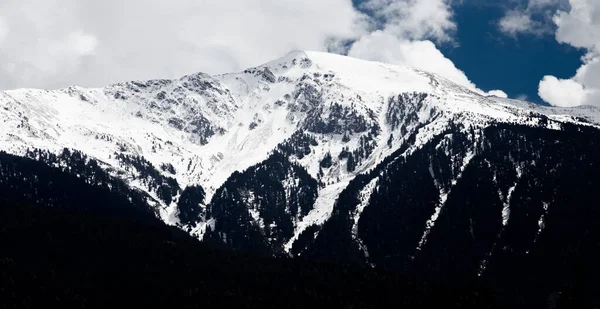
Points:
(289, 137)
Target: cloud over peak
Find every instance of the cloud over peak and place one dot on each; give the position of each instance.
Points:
(407, 34)
(89, 43)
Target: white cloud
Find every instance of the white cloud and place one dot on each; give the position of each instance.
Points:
(533, 18)
(91, 43)
(561, 92)
(405, 38)
(385, 47)
(76, 44)
(580, 27)
(3, 29)
(82, 43)
(415, 19)
(515, 22)
(498, 93)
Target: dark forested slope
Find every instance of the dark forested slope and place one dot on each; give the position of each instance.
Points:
(68, 241)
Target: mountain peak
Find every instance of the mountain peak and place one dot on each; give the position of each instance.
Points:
(358, 74)
(293, 59)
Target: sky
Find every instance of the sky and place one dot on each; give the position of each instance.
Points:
(544, 51)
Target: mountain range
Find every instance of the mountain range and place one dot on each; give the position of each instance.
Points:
(324, 157)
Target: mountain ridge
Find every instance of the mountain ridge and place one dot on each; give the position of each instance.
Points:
(209, 127)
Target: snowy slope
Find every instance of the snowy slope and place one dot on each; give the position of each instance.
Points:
(207, 127)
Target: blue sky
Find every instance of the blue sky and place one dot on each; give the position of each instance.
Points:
(493, 59)
(516, 65)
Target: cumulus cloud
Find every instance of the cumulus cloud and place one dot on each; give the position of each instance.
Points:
(405, 38)
(579, 27)
(414, 19)
(91, 43)
(423, 54)
(561, 92)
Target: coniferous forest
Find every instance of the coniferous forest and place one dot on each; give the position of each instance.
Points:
(73, 241)
(73, 235)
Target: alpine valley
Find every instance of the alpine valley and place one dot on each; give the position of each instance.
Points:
(324, 157)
